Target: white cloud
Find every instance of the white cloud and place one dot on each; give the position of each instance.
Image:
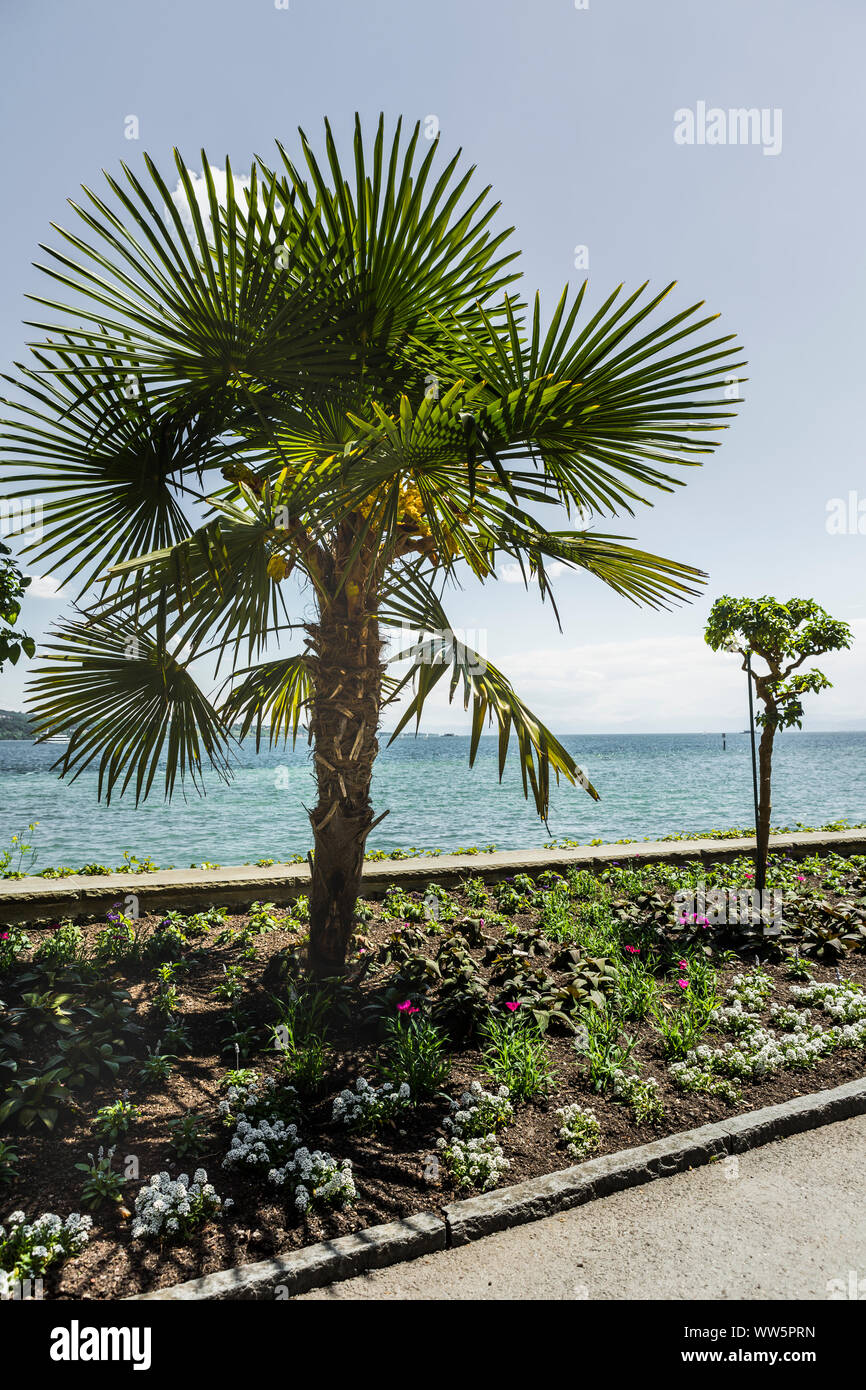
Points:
(44, 587)
(510, 573)
(220, 181)
(671, 684)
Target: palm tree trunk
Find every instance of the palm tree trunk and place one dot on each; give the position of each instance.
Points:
(345, 718)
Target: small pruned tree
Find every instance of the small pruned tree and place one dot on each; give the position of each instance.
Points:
(783, 635)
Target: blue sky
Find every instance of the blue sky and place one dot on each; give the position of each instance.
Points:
(569, 114)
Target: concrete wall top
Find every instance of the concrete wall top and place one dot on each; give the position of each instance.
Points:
(36, 899)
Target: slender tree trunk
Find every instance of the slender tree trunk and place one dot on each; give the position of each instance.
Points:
(765, 805)
(348, 689)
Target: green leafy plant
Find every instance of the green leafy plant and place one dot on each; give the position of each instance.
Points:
(115, 942)
(636, 991)
(475, 892)
(114, 1120)
(176, 1037)
(186, 1134)
(303, 1060)
(242, 1038)
(516, 1055)
(165, 943)
(166, 1000)
(13, 585)
(101, 1183)
(9, 1160)
(38, 1013)
(261, 919)
(63, 946)
(88, 1057)
(33, 1099)
(231, 986)
(606, 1050)
(415, 1053)
(13, 942)
(157, 1066)
(682, 1026)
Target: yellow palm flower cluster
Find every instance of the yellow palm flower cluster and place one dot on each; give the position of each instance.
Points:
(278, 568)
(410, 509)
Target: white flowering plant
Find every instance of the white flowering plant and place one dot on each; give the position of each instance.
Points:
(477, 1162)
(845, 1002)
(175, 1207)
(262, 1144)
(255, 1098)
(793, 1041)
(367, 1107)
(579, 1130)
(642, 1096)
(479, 1112)
(29, 1248)
(314, 1178)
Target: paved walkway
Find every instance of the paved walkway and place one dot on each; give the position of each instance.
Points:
(782, 1221)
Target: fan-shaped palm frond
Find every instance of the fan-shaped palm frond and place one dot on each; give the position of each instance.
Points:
(123, 699)
(277, 691)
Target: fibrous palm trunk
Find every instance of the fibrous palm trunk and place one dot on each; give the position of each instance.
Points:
(346, 652)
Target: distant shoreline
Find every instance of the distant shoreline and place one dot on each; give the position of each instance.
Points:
(24, 735)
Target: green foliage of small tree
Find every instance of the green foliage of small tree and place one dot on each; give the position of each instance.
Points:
(783, 635)
(12, 586)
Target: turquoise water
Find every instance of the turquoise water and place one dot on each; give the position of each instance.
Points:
(650, 784)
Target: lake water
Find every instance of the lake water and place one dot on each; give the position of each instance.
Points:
(650, 785)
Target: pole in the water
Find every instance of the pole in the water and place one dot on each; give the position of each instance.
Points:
(723, 742)
(759, 867)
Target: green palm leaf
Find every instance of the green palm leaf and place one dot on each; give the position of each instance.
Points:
(277, 691)
(124, 702)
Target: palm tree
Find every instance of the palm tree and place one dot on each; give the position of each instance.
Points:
(328, 377)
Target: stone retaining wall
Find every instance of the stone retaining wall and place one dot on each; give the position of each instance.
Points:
(83, 898)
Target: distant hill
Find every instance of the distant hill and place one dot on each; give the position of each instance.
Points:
(15, 725)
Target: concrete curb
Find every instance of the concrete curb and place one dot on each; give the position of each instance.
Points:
(35, 899)
(380, 1246)
(316, 1265)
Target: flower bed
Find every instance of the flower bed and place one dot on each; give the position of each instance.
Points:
(480, 1036)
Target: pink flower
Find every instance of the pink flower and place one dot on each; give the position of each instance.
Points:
(801, 878)
(406, 1007)
(683, 964)
(633, 950)
(512, 1007)
(749, 875)
(683, 984)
